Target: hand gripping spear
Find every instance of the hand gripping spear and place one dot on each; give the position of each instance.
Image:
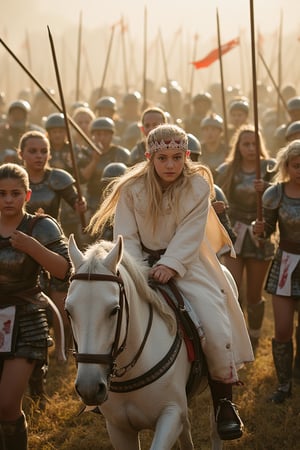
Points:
(61, 94)
(255, 111)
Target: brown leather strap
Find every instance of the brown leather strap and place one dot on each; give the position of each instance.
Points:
(154, 255)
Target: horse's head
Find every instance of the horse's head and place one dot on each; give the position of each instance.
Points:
(94, 304)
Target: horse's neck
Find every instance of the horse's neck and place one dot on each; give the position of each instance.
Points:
(139, 320)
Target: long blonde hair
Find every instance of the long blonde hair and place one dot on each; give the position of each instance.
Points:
(283, 157)
(146, 171)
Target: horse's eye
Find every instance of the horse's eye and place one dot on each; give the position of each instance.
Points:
(115, 311)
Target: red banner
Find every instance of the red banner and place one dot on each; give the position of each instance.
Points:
(214, 54)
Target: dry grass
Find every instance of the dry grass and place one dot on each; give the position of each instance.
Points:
(267, 426)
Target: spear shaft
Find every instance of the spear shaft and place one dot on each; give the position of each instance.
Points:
(145, 59)
(74, 124)
(255, 111)
(170, 103)
(222, 83)
(193, 70)
(72, 152)
(77, 94)
(107, 60)
(123, 29)
(273, 82)
(279, 68)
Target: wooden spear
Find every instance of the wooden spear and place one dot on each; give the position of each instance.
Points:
(273, 82)
(255, 110)
(170, 103)
(79, 45)
(88, 67)
(107, 60)
(51, 99)
(145, 60)
(72, 152)
(190, 91)
(279, 69)
(222, 83)
(28, 50)
(123, 30)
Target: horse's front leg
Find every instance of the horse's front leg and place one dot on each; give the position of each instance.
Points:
(123, 439)
(185, 439)
(170, 425)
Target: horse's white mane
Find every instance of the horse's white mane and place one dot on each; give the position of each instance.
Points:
(134, 277)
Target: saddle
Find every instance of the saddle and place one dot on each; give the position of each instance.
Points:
(197, 380)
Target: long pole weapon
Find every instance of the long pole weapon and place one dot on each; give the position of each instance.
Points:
(273, 82)
(88, 67)
(255, 111)
(46, 93)
(28, 50)
(166, 75)
(77, 92)
(145, 59)
(196, 37)
(61, 94)
(107, 59)
(279, 68)
(222, 83)
(123, 30)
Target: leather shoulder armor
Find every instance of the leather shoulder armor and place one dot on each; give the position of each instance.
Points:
(220, 196)
(60, 179)
(46, 230)
(272, 196)
(222, 169)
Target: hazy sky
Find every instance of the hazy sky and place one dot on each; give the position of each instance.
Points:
(194, 15)
(172, 17)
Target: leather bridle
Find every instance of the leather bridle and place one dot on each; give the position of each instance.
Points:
(110, 359)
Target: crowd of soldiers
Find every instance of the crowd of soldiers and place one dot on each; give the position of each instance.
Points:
(118, 126)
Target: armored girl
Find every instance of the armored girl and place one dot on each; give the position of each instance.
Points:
(27, 243)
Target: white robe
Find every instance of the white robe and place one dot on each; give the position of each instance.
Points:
(191, 242)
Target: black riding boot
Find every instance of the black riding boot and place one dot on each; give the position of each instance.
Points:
(255, 319)
(37, 383)
(2, 444)
(296, 370)
(14, 434)
(283, 361)
(229, 424)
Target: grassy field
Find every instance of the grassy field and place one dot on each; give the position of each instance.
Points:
(267, 426)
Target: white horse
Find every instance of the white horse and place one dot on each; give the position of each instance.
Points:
(131, 359)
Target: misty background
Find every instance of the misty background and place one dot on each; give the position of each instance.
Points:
(188, 31)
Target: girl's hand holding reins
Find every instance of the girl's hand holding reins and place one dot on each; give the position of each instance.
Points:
(162, 273)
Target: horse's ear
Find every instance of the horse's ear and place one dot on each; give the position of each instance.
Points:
(74, 252)
(114, 257)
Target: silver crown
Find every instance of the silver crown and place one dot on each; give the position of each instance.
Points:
(180, 144)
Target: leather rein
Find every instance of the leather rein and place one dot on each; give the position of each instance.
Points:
(110, 359)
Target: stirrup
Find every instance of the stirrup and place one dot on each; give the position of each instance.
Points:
(228, 428)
